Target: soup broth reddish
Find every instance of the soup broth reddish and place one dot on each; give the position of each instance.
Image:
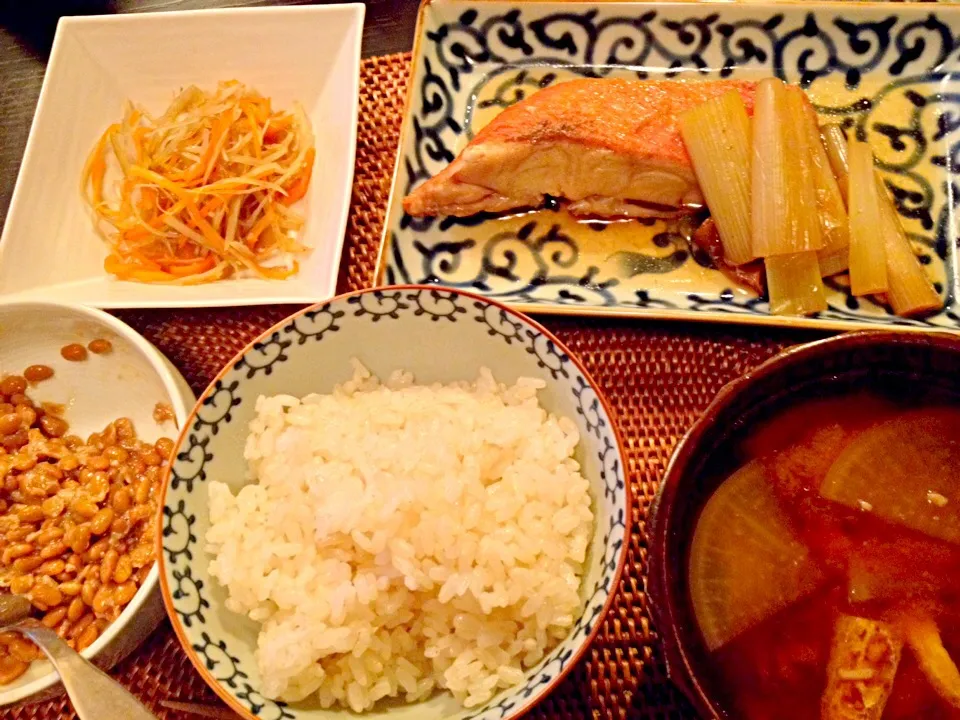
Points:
(879, 555)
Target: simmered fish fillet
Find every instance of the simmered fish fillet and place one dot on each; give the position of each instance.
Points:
(611, 148)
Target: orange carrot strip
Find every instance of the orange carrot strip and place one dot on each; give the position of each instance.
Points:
(195, 171)
(276, 126)
(298, 188)
(194, 268)
(220, 128)
(206, 229)
(210, 205)
(150, 276)
(137, 233)
(125, 270)
(98, 168)
(113, 265)
(148, 200)
(211, 235)
(261, 107)
(262, 224)
(139, 136)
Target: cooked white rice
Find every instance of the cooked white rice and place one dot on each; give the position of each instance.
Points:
(395, 539)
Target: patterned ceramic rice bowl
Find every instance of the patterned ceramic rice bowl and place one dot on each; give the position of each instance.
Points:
(439, 336)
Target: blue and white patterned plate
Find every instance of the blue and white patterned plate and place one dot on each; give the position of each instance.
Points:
(889, 70)
(440, 336)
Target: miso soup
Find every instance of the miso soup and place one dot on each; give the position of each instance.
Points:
(824, 571)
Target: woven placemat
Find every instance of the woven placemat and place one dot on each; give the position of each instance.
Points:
(658, 377)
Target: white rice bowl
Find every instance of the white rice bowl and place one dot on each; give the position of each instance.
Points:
(396, 539)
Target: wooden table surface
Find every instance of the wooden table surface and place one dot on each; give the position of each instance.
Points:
(26, 33)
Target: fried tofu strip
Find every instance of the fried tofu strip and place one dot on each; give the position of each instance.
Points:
(863, 662)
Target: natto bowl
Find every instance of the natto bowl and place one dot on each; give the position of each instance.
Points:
(127, 382)
(905, 363)
(440, 336)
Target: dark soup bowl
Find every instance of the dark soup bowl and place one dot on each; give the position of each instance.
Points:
(901, 368)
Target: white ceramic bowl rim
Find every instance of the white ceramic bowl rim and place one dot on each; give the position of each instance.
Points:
(157, 363)
(211, 389)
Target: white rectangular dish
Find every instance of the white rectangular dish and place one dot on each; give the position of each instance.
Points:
(311, 55)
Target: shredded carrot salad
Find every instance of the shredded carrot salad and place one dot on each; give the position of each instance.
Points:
(204, 190)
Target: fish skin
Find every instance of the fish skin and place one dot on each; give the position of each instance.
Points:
(611, 147)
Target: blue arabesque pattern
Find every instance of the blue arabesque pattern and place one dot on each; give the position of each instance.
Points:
(504, 53)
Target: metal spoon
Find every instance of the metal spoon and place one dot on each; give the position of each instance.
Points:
(93, 693)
